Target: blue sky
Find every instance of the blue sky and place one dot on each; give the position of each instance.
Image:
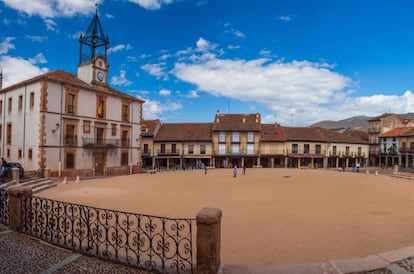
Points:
(295, 62)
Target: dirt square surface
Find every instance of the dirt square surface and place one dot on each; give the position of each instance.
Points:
(270, 216)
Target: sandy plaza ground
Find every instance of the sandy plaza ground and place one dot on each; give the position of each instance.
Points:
(270, 216)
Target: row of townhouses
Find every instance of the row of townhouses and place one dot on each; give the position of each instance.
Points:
(77, 125)
(391, 140)
(242, 140)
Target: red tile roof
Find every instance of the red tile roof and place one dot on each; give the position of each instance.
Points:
(184, 132)
(398, 131)
(363, 134)
(237, 122)
(272, 133)
(72, 79)
(150, 127)
(317, 134)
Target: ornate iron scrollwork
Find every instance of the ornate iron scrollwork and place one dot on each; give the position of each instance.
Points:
(148, 242)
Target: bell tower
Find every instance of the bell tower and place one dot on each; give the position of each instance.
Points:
(93, 66)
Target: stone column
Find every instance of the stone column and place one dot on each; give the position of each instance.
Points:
(208, 240)
(15, 206)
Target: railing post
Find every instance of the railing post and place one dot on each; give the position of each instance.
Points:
(46, 173)
(208, 240)
(15, 211)
(15, 175)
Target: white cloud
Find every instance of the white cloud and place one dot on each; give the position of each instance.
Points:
(52, 9)
(121, 80)
(302, 91)
(165, 56)
(156, 70)
(151, 4)
(16, 69)
(192, 94)
(202, 44)
(6, 21)
(239, 34)
(38, 59)
(165, 92)
(50, 24)
(109, 16)
(233, 47)
(6, 45)
(119, 47)
(156, 109)
(36, 38)
(285, 18)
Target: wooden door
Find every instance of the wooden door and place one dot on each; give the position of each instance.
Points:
(99, 164)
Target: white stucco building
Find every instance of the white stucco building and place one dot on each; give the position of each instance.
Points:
(72, 124)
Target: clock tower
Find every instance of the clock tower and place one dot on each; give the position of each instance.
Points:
(93, 66)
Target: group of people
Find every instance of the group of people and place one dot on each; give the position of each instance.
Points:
(235, 171)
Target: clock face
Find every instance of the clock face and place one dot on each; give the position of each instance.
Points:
(100, 76)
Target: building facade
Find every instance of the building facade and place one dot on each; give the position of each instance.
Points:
(74, 125)
(379, 125)
(241, 140)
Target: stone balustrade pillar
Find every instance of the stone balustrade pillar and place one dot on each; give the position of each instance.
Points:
(208, 240)
(15, 175)
(15, 206)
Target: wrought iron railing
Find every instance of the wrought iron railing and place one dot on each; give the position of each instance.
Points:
(4, 206)
(100, 142)
(70, 140)
(148, 242)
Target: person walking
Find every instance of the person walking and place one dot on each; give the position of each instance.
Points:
(234, 171)
(244, 170)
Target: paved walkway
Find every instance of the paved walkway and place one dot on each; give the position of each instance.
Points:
(20, 253)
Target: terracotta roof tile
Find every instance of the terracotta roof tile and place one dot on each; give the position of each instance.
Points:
(72, 79)
(151, 127)
(398, 131)
(185, 132)
(317, 134)
(272, 133)
(237, 122)
(363, 134)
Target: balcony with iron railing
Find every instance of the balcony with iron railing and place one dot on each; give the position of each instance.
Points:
(70, 140)
(255, 152)
(71, 109)
(146, 152)
(310, 152)
(406, 149)
(125, 142)
(168, 152)
(272, 151)
(100, 143)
